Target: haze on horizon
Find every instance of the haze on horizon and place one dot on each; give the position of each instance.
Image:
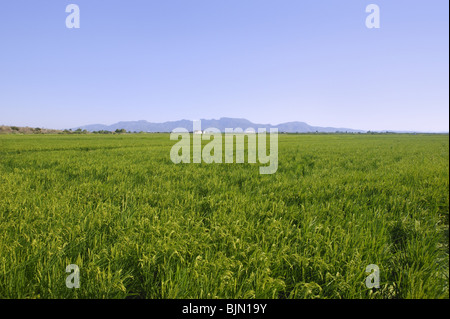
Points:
(263, 60)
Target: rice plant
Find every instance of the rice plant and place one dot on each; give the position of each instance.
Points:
(139, 226)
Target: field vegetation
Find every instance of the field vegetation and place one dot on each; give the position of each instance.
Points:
(139, 226)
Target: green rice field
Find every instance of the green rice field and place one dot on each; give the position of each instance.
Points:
(139, 226)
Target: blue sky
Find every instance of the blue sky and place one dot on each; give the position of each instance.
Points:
(267, 61)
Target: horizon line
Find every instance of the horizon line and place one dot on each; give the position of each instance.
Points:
(241, 118)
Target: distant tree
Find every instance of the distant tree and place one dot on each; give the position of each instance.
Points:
(14, 128)
(121, 131)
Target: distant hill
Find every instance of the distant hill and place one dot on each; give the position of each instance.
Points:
(221, 124)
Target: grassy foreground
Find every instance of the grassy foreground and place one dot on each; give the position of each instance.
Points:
(139, 226)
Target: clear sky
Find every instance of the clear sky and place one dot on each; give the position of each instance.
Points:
(270, 61)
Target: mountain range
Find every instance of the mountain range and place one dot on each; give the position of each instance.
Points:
(221, 124)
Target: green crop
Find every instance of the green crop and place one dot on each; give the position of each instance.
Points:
(140, 226)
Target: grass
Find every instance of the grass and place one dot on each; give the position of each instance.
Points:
(139, 226)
